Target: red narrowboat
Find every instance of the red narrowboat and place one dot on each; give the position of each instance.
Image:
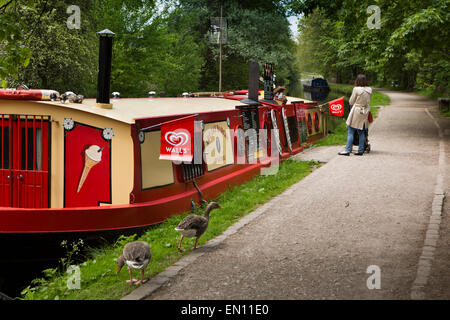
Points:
(84, 169)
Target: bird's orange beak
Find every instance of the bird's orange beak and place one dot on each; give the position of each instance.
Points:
(220, 207)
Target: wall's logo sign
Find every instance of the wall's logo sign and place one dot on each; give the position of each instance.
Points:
(336, 107)
(373, 22)
(177, 139)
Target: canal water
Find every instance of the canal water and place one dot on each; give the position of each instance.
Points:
(23, 258)
(26, 261)
(323, 97)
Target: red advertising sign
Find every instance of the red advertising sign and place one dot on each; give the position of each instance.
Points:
(177, 139)
(337, 107)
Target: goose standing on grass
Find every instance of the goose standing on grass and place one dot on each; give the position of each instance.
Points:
(136, 255)
(195, 225)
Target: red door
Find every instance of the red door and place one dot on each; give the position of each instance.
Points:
(24, 161)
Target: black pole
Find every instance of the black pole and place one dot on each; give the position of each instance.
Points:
(253, 84)
(104, 66)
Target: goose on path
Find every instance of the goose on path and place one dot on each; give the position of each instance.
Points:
(136, 255)
(195, 225)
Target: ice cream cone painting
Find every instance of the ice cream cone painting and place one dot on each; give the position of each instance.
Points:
(92, 157)
(87, 166)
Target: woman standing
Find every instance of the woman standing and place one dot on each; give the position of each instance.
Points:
(358, 118)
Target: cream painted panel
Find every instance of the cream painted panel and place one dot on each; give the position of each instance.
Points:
(155, 172)
(218, 145)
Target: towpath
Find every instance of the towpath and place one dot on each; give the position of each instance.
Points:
(318, 238)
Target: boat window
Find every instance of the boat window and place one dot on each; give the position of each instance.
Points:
(292, 123)
(309, 123)
(31, 155)
(155, 172)
(4, 137)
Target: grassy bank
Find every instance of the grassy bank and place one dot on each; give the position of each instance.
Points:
(432, 94)
(97, 274)
(378, 98)
(339, 136)
(429, 93)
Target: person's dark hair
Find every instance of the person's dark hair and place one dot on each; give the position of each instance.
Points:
(361, 81)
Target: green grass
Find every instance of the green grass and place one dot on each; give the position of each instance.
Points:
(98, 277)
(430, 93)
(378, 98)
(427, 92)
(339, 135)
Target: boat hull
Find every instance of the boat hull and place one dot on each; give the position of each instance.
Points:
(119, 217)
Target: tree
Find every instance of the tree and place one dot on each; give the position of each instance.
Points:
(61, 58)
(13, 45)
(257, 30)
(410, 48)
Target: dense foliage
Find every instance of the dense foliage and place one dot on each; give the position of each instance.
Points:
(159, 45)
(409, 50)
(163, 45)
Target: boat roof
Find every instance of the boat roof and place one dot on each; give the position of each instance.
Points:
(128, 109)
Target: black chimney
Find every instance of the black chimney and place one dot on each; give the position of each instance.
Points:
(253, 84)
(104, 66)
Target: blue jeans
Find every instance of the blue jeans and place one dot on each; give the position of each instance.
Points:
(362, 139)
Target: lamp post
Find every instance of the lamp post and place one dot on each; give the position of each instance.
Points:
(220, 48)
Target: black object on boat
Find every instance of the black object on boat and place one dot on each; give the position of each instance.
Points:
(104, 66)
(253, 84)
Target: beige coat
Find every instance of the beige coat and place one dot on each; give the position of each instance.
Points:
(359, 113)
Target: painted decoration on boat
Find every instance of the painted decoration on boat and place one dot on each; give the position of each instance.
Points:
(316, 122)
(176, 139)
(275, 130)
(309, 123)
(218, 145)
(269, 78)
(286, 128)
(301, 122)
(87, 165)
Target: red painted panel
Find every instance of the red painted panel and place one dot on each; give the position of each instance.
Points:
(87, 173)
(5, 188)
(23, 184)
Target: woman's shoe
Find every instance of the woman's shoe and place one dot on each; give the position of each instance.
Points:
(344, 153)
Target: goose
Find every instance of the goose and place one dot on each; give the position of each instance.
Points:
(136, 255)
(195, 225)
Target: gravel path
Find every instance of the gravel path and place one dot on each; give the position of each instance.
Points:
(317, 239)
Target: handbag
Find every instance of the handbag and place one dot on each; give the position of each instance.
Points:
(370, 117)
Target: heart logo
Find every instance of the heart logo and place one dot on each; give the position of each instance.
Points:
(177, 139)
(336, 107)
